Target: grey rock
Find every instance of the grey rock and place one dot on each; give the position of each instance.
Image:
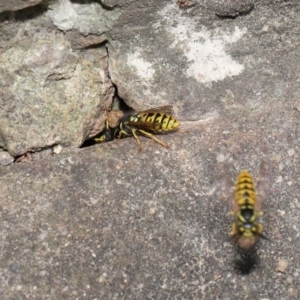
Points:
(87, 18)
(5, 158)
(233, 8)
(109, 222)
(171, 55)
(50, 95)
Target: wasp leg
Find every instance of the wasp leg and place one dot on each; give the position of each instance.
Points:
(101, 139)
(151, 136)
(106, 136)
(233, 230)
(137, 139)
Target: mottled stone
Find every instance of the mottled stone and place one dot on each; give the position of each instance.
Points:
(5, 158)
(50, 94)
(233, 8)
(109, 222)
(87, 18)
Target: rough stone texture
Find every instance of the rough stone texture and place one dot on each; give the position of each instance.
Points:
(79, 42)
(49, 94)
(5, 158)
(87, 18)
(108, 222)
(233, 8)
(146, 75)
(45, 99)
(169, 55)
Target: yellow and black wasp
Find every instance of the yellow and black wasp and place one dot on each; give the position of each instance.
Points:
(246, 228)
(157, 120)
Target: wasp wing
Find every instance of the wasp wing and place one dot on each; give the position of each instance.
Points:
(167, 109)
(150, 126)
(262, 184)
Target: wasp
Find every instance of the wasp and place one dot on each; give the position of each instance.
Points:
(157, 120)
(246, 228)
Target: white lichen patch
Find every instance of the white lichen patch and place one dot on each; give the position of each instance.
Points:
(143, 68)
(203, 49)
(88, 18)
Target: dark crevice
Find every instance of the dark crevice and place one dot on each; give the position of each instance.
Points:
(30, 13)
(117, 104)
(6, 16)
(107, 62)
(23, 14)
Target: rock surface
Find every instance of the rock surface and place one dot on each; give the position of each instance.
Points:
(109, 222)
(50, 95)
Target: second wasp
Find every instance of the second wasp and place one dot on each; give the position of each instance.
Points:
(246, 228)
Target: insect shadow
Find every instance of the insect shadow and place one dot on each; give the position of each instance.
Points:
(246, 260)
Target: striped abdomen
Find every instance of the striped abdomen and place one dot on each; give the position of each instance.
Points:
(160, 121)
(246, 228)
(244, 190)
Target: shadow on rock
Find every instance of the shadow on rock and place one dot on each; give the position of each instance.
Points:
(246, 261)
